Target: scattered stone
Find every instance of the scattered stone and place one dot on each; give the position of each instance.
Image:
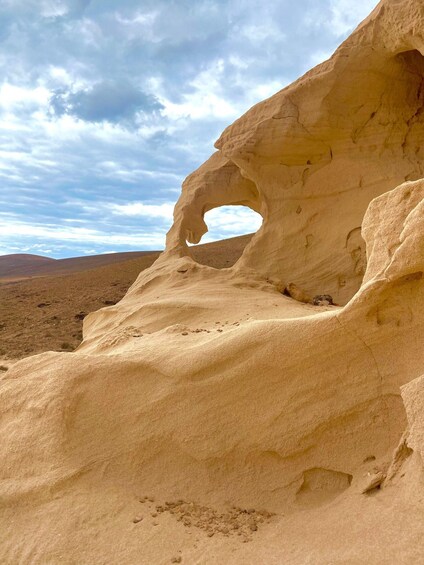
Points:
(184, 333)
(137, 519)
(323, 300)
(176, 559)
(373, 482)
(236, 521)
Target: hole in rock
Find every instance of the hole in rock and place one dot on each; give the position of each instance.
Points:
(230, 229)
(412, 59)
(412, 64)
(411, 277)
(322, 485)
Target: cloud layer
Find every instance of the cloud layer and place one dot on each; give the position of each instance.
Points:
(106, 106)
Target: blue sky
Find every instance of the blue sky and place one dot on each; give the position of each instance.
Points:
(106, 106)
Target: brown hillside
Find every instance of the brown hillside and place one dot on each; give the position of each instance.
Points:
(17, 263)
(45, 313)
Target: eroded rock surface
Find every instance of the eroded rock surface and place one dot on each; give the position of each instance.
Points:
(214, 387)
(313, 156)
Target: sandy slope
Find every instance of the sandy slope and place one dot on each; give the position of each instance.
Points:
(232, 395)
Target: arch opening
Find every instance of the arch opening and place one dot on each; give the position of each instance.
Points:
(230, 230)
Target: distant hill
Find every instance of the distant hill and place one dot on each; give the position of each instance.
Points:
(24, 266)
(22, 263)
(43, 307)
(21, 266)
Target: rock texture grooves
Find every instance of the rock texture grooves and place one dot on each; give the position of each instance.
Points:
(312, 157)
(236, 407)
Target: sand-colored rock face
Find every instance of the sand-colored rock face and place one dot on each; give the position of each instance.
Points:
(313, 156)
(243, 414)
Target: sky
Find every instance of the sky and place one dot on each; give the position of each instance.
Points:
(107, 105)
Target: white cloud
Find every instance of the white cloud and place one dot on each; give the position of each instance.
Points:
(230, 221)
(210, 99)
(47, 232)
(207, 99)
(262, 32)
(141, 209)
(140, 25)
(346, 14)
(13, 97)
(319, 57)
(266, 90)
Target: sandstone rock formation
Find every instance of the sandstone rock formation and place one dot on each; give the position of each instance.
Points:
(233, 407)
(313, 156)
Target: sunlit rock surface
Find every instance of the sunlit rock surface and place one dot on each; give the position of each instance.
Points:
(233, 407)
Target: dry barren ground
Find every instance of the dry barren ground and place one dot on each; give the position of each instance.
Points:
(44, 310)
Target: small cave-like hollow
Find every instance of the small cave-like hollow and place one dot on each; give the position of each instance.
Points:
(230, 230)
